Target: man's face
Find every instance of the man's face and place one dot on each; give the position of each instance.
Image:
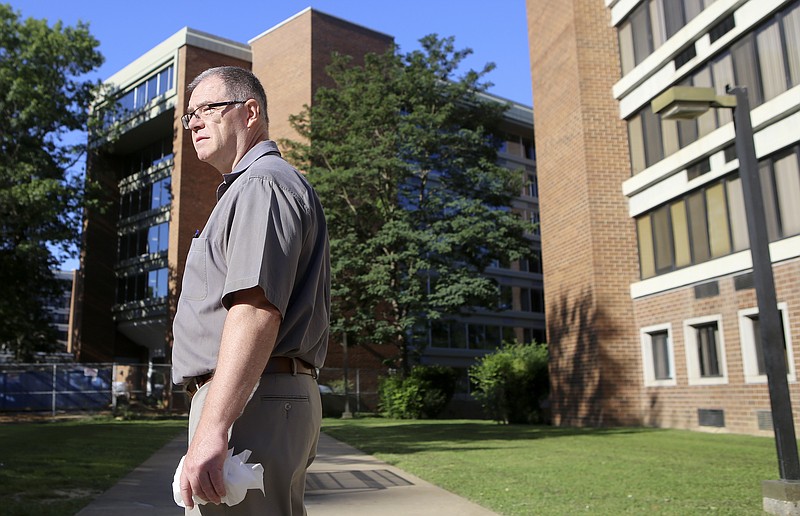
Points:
(214, 132)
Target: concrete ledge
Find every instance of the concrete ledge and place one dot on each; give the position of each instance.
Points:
(781, 497)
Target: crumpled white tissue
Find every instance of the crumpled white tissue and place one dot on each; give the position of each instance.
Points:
(237, 474)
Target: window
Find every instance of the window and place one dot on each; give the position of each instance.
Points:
(718, 230)
(750, 339)
(739, 236)
(158, 238)
(531, 185)
(705, 351)
(770, 59)
(658, 356)
(647, 263)
(532, 300)
(791, 30)
(680, 232)
(157, 283)
(626, 47)
(787, 187)
(746, 68)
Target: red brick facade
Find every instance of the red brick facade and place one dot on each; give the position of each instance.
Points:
(590, 251)
(588, 240)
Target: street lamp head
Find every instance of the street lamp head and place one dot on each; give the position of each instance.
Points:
(688, 102)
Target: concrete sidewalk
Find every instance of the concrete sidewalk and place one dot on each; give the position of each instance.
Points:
(342, 481)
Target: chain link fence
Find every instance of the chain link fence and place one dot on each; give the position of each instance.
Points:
(362, 391)
(86, 387)
(70, 387)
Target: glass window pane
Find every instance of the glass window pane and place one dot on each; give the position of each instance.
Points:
(657, 23)
(770, 59)
(163, 236)
(718, 232)
(152, 88)
(693, 8)
(651, 125)
(698, 228)
(768, 194)
(636, 138)
(706, 122)
(662, 237)
(646, 256)
(669, 133)
(687, 132)
(680, 232)
(152, 239)
(738, 217)
(642, 42)
(791, 30)
(722, 72)
(787, 185)
(458, 335)
(440, 334)
(627, 58)
(152, 283)
(660, 349)
(707, 351)
(163, 282)
(745, 69)
(673, 16)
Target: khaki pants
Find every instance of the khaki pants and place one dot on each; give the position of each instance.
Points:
(280, 425)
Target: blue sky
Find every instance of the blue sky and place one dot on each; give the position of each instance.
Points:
(495, 31)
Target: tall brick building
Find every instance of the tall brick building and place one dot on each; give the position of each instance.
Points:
(651, 311)
(159, 193)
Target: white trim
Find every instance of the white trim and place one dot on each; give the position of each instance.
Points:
(747, 13)
(645, 337)
(782, 250)
(692, 358)
(747, 342)
(167, 50)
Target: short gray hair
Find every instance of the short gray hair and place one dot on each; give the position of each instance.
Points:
(240, 84)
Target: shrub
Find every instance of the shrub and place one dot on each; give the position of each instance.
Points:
(512, 382)
(423, 394)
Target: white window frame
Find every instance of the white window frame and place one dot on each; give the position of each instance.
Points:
(648, 366)
(747, 341)
(692, 357)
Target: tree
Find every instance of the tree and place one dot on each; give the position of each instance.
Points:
(43, 101)
(403, 156)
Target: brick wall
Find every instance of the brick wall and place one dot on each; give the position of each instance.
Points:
(588, 240)
(677, 406)
(290, 61)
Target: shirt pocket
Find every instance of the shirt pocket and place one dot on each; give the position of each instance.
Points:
(195, 278)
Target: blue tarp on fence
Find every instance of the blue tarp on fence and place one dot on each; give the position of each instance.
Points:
(54, 387)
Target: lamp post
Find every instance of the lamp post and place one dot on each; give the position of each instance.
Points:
(686, 102)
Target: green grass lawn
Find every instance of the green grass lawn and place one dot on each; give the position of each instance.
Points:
(57, 468)
(530, 470)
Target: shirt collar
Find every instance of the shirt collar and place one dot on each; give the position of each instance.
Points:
(260, 149)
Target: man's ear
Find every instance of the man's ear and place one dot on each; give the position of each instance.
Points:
(254, 113)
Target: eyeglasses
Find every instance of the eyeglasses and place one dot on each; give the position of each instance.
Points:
(203, 112)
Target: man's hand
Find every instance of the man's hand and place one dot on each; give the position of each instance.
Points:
(202, 468)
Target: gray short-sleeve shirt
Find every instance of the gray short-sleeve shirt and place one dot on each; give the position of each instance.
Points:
(267, 229)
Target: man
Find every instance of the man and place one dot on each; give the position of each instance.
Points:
(254, 307)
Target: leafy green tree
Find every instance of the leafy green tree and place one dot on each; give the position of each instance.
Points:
(43, 104)
(404, 157)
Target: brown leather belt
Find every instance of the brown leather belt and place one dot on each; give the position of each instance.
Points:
(276, 365)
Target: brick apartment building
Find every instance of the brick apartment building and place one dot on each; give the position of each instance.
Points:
(159, 193)
(651, 312)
